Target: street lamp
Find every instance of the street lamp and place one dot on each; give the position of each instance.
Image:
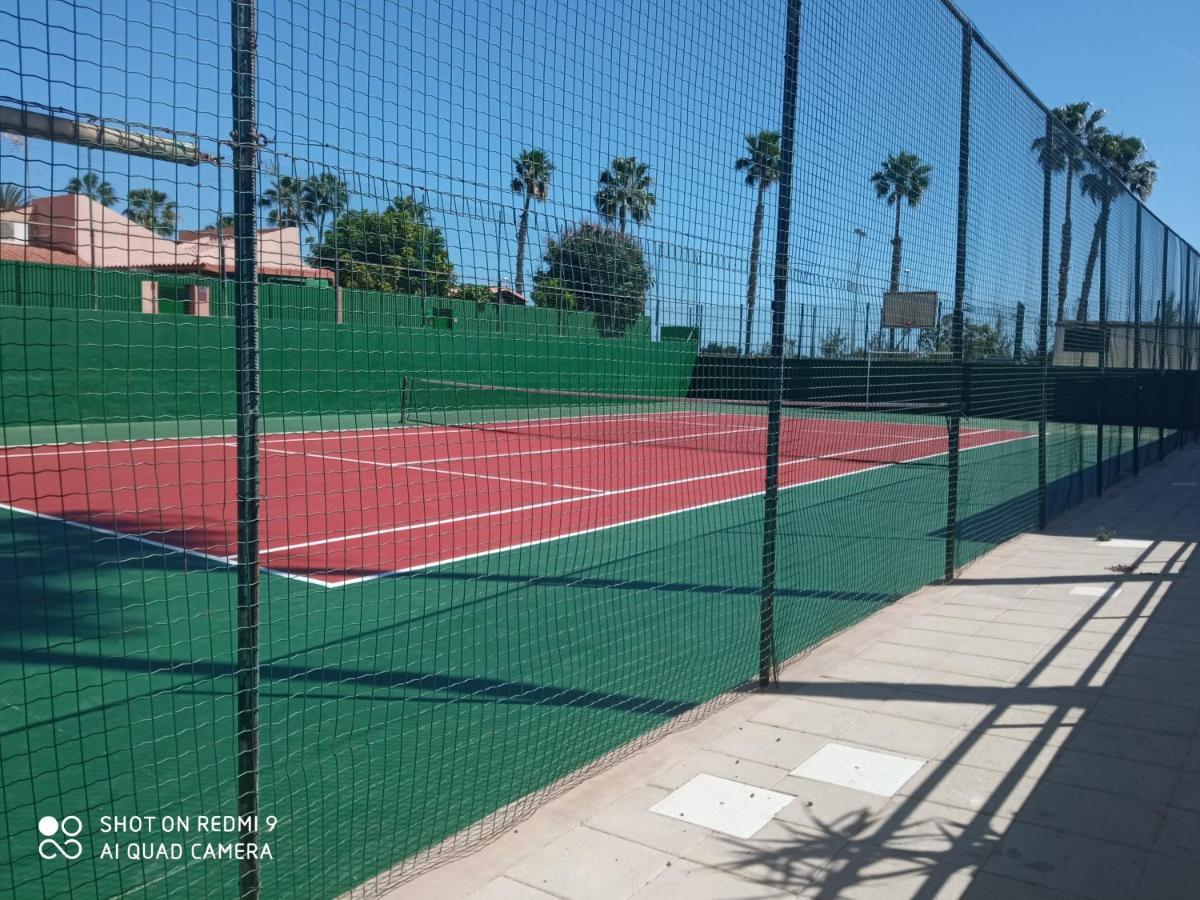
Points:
(860, 234)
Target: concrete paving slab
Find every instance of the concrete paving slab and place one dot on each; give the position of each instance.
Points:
(859, 768)
(718, 804)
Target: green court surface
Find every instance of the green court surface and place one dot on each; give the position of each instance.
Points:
(399, 711)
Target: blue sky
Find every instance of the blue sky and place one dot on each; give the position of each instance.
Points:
(1142, 64)
(436, 98)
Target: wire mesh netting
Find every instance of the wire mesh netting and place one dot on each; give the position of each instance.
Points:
(408, 410)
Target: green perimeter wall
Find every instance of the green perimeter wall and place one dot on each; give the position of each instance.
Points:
(62, 366)
(35, 285)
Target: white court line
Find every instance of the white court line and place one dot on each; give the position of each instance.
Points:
(584, 531)
(420, 467)
(157, 545)
(600, 446)
(613, 492)
(118, 447)
(426, 468)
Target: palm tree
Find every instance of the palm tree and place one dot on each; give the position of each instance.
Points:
(98, 190)
(532, 181)
(901, 177)
(625, 192)
(220, 223)
(322, 196)
(763, 168)
(1065, 150)
(1120, 164)
(93, 187)
(154, 210)
(286, 202)
(12, 197)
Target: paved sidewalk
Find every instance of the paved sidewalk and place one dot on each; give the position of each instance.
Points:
(1027, 732)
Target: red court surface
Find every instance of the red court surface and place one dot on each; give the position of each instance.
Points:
(348, 506)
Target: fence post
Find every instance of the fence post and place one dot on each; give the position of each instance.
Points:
(1137, 341)
(1162, 353)
(245, 178)
(791, 78)
(1102, 353)
(954, 419)
(1189, 329)
(1043, 324)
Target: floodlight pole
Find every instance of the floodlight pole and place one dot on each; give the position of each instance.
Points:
(245, 195)
(791, 79)
(954, 419)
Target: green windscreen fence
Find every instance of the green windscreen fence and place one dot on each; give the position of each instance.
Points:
(406, 410)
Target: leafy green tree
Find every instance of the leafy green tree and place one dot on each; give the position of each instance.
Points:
(12, 197)
(480, 294)
(834, 343)
(285, 202)
(763, 168)
(1066, 151)
(532, 181)
(93, 187)
(605, 270)
(1121, 165)
(901, 178)
(625, 192)
(220, 223)
(153, 209)
(396, 250)
(321, 197)
(551, 294)
(980, 340)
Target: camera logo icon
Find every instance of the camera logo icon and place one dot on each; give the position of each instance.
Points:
(51, 828)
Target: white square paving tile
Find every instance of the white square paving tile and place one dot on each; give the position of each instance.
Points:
(739, 810)
(1094, 590)
(1130, 543)
(863, 770)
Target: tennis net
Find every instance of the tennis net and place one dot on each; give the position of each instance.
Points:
(809, 428)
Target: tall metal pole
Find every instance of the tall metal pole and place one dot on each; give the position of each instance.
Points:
(245, 195)
(860, 234)
(1189, 330)
(1162, 354)
(954, 419)
(1043, 321)
(783, 229)
(1101, 354)
(1137, 342)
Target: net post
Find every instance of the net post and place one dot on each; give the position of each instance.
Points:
(1101, 355)
(1137, 341)
(791, 78)
(1043, 324)
(405, 394)
(245, 197)
(954, 419)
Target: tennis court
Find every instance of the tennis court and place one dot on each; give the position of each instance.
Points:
(349, 506)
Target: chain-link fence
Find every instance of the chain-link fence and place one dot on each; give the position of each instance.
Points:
(409, 409)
